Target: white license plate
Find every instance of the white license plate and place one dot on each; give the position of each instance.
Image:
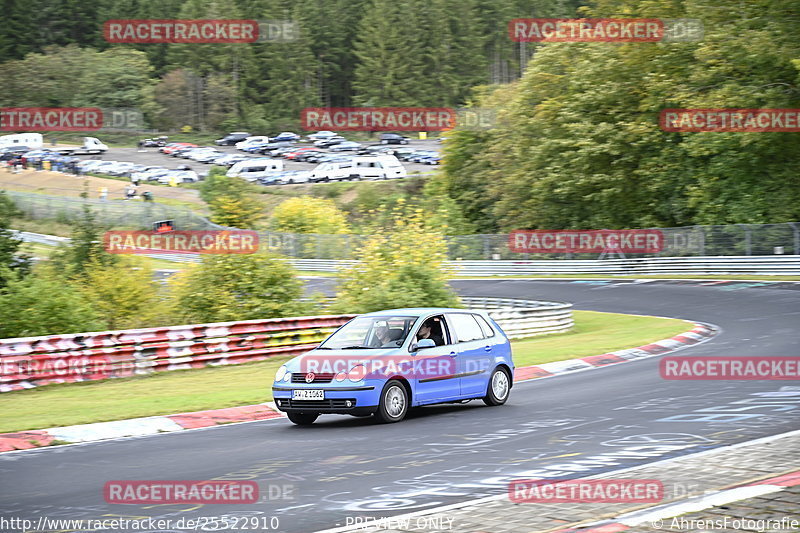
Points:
(308, 394)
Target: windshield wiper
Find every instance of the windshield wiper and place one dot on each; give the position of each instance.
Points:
(349, 347)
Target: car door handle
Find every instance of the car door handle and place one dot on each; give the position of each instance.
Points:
(453, 354)
(488, 348)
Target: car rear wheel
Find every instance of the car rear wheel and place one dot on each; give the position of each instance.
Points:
(303, 419)
(498, 389)
(394, 403)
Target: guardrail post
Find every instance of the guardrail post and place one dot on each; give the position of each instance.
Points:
(748, 244)
(701, 239)
(796, 232)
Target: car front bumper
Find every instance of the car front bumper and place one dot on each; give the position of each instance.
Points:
(347, 400)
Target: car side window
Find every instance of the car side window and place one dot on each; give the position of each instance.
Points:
(487, 329)
(465, 327)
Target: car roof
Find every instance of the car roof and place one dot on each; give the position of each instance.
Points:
(418, 311)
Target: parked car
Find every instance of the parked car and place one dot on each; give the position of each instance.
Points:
(232, 138)
(255, 147)
(293, 153)
(359, 168)
(386, 362)
(180, 176)
(308, 155)
(327, 143)
(294, 176)
(154, 142)
(149, 174)
(227, 160)
(417, 157)
(241, 145)
(286, 136)
(321, 135)
(375, 149)
(255, 169)
(399, 153)
(119, 168)
(269, 147)
(346, 146)
(172, 147)
(205, 156)
(431, 160)
(393, 138)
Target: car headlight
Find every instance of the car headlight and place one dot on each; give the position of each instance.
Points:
(357, 373)
(281, 373)
(341, 376)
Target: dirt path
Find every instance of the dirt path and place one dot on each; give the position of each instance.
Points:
(68, 185)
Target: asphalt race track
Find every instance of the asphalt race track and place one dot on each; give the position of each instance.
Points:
(567, 426)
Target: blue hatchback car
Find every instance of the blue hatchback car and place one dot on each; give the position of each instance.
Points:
(386, 362)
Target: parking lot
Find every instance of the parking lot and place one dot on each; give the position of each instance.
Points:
(152, 156)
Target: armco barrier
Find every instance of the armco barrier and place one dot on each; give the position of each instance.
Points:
(525, 318)
(717, 265)
(31, 361)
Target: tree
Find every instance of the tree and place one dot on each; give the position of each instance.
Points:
(85, 249)
(306, 214)
(12, 263)
(399, 268)
(125, 295)
(238, 287)
(42, 304)
(230, 201)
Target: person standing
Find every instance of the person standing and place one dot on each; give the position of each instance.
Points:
(103, 193)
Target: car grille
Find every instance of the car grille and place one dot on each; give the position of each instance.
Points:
(336, 403)
(318, 378)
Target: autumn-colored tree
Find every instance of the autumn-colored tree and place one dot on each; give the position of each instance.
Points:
(306, 214)
(230, 200)
(125, 295)
(401, 267)
(237, 287)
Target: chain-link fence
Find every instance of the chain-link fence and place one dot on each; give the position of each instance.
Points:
(119, 214)
(688, 241)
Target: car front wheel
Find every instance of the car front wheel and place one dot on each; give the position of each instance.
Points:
(394, 403)
(303, 419)
(499, 387)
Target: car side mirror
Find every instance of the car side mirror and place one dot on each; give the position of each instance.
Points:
(425, 343)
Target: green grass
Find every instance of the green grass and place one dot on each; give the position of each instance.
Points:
(118, 399)
(229, 386)
(594, 334)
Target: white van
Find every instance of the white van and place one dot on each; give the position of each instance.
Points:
(381, 167)
(253, 169)
(34, 141)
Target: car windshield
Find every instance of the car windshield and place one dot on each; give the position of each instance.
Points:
(371, 332)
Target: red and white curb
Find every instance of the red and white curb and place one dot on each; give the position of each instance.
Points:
(136, 427)
(656, 515)
(151, 425)
(700, 333)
